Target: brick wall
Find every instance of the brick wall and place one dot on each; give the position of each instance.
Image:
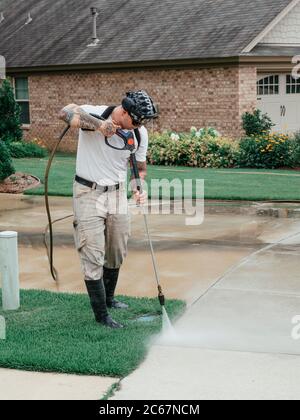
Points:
(190, 97)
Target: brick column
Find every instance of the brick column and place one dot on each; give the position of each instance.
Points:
(247, 92)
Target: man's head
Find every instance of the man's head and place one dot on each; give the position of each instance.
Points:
(137, 109)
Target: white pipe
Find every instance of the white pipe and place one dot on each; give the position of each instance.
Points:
(9, 270)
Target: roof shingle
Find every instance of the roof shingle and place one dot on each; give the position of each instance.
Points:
(130, 31)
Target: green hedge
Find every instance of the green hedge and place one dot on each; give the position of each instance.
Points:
(22, 149)
(296, 149)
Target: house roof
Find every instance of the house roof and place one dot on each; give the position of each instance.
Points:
(130, 31)
(273, 51)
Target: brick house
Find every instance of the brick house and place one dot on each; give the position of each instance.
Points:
(205, 62)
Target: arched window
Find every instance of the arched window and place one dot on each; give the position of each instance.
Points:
(268, 85)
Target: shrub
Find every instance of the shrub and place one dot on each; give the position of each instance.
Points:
(206, 148)
(26, 150)
(190, 149)
(6, 166)
(296, 149)
(266, 151)
(256, 124)
(10, 125)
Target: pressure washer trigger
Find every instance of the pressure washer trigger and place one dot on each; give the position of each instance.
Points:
(127, 138)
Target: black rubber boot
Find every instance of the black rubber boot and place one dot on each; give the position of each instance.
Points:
(110, 278)
(97, 296)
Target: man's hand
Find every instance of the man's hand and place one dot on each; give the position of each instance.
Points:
(140, 198)
(108, 128)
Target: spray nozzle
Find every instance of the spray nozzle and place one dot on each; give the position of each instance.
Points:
(161, 296)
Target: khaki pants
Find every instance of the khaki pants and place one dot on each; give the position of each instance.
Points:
(101, 228)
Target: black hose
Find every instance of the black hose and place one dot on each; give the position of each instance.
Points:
(50, 247)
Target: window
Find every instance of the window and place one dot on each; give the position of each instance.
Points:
(22, 98)
(292, 85)
(268, 85)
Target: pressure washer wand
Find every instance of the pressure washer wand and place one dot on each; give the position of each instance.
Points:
(136, 176)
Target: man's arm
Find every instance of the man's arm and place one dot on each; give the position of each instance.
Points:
(77, 118)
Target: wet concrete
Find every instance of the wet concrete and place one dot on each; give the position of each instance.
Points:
(236, 340)
(190, 258)
(185, 374)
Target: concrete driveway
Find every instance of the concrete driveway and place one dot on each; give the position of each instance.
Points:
(235, 341)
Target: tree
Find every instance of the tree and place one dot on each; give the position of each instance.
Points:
(10, 124)
(6, 166)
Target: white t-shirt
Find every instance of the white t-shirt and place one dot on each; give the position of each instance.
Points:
(97, 162)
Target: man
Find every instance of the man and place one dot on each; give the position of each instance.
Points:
(101, 217)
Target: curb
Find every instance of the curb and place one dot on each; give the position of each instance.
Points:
(247, 208)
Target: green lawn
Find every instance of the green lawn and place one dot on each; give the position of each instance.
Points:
(222, 184)
(55, 332)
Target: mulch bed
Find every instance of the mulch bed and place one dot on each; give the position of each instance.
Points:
(19, 182)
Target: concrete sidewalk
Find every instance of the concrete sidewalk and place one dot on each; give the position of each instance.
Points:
(20, 385)
(235, 341)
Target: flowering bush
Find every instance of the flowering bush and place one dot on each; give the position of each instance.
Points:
(39, 142)
(204, 148)
(204, 132)
(256, 123)
(266, 151)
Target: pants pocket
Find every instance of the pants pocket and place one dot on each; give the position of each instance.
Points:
(79, 236)
(80, 190)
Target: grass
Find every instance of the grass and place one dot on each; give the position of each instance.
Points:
(56, 332)
(220, 184)
(60, 178)
(111, 391)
